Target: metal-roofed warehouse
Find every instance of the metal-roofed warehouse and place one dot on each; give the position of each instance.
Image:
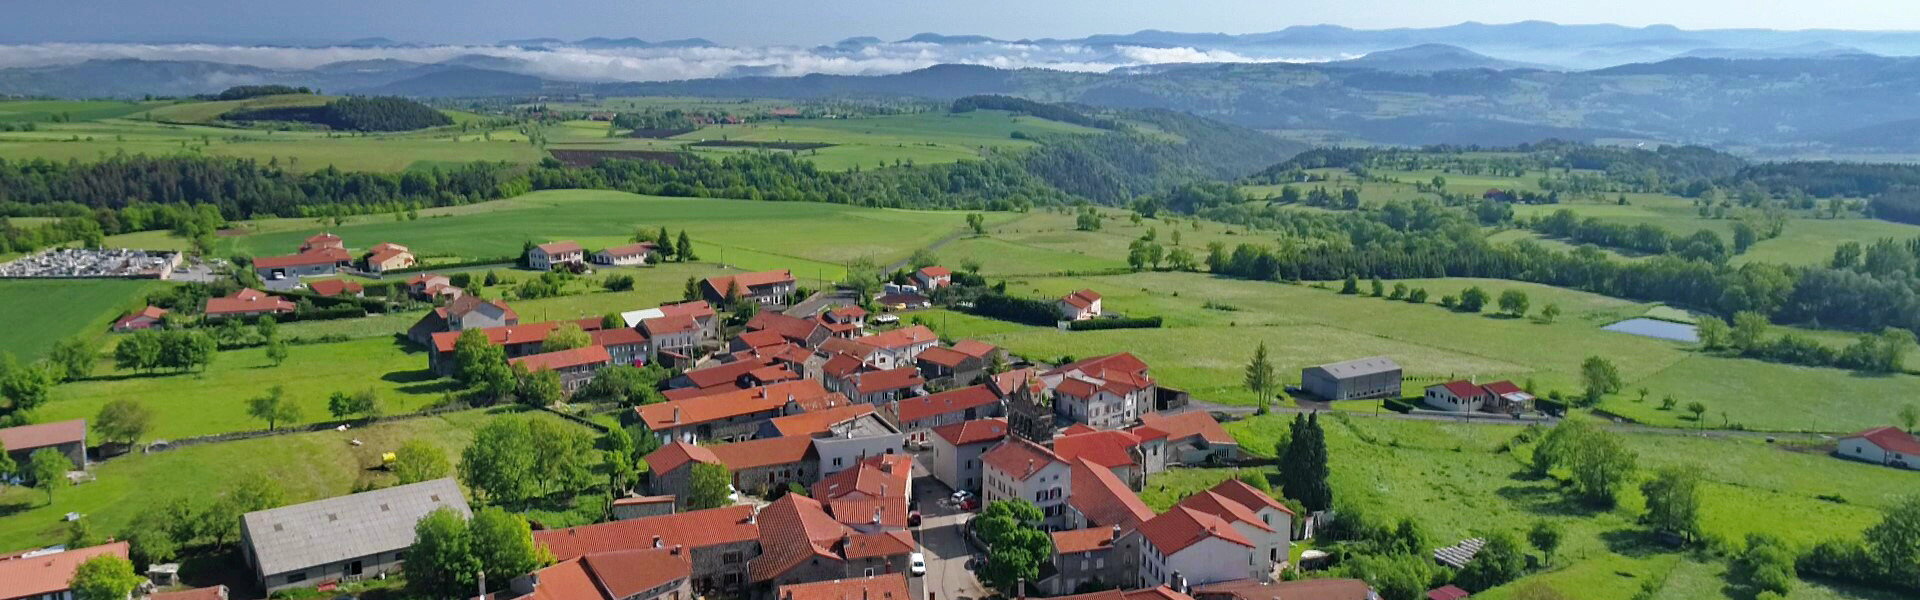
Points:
(346, 538)
(1376, 377)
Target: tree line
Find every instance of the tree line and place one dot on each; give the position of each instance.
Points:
(384, 113)
(1050, 112)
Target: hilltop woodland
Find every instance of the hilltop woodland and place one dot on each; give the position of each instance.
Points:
(352, 114)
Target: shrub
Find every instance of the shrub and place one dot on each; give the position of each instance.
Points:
(1129, 323)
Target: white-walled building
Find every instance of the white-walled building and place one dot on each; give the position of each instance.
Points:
(1022, 469)
(1882, 445)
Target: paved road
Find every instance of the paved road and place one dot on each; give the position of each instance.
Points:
(819, 301)
(946, 548)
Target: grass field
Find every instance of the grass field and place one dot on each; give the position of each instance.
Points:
(41, 312)
(305, 466)
(195, 403)
(1458, 482)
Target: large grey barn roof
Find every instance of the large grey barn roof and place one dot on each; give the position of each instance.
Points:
(296, 537)
(1360, 367)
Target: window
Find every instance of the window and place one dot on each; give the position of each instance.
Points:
(297, 577)
(869, 571)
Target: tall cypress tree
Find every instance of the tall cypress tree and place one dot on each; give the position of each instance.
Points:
(1303, 464)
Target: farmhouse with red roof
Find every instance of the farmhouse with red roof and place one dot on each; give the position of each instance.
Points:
(545, 257)
(663, 573)
(720, 542)
(1079, 306)
(68, 437)
(145, 318)
(933, 278)
(1880, 445)
(1461, 395)
(337, 287)
(1107, 392)
(247, 303)
(769, 289)
(627, 255)
(43, 575)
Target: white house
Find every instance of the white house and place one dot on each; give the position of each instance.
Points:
(1261, 519)
(1080, 306)
(1022, 469)
(1199, 547)
(543, 257)
(900, 347)
(628, 255)
(1882, 445)
(1107, 392)
(933, 278)
(954, 457)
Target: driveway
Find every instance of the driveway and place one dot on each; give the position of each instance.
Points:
(946, 548)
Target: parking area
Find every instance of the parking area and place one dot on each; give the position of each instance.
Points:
(949, 557)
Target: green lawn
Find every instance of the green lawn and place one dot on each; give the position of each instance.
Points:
(195, 403)
(41, 312)
(306, 466)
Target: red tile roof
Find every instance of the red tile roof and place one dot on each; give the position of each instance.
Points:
(945, 357)
(567, 580)
(841, 365)
(1886, 438)
(1188, 424)
(723, 284)
(901, 338)
(1226, 508)
(976, 431)
(504, 335)
(627, 573)
(1082, 540)
(714, 407)
(50, 573)
(150, 312)
(247, 301)
(974, 348)
(815, 422)
(381, 256)
(632, 249)
(765, 452)
(885, 543)
(891, 379)
(323, 237)
(694, 529)
(1108, 448)
(459, 307)
(1502, 388)
(1305, 589)
(1153, 593)
(725, 374)
(564, 359)
(1248, 496)
(846, 347)
(320, 256)
(848, 312)
(335, 287)
(950, 401)
(892, 586)
(696, 309)
(1461, 388)
(873, 492)
(793, 328)
(44, 434)
(659, 326)
(1181, 527)
(617, 336)
(643, 500)
(671, 457)
(1019, 458)
(552, 248)
(1118, 374)
(1081, 299)
(1104, 499)
(761, 339)
(1447, 592)
(794, 530)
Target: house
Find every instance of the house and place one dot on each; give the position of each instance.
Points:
(217, 592)
(1192, 438)
(1880, 445)
(1305, 589)
(430, 287)
(702, 314)
(1100, 499)
(576, 366)
(388, 257)
(845, 321)
(757, 466)
(1084, 557)
(717, 379)
(804, 332)
(1256, 515)
(635, 507)
(1151, 593)
(1461, 395)
(842, 435)
(1376, 377)
(891, 586)
(875, 495)
(675, 339)
(545, 257)
(1021, 469)
(68, 437)
(903, 300)
(628, 255)
(954, 453)
(883, 387)
(769, 289)
(48, 575)
(1106, 392)
(720, 542)
(1198, 547)
(322, 241)
(143, 319)
(932, 278)
(1030, 412)
(341, 539)
(727, 416)
(1126, 454)
(516, 340)
(308, 263)
(900, 347)
(920, 415)
(461, 314)
(337, 287)
(801, 543)
(628, 347)
(1079, 306)
(664, 573)
(950, 367)
(247, 302)
(1447, 592)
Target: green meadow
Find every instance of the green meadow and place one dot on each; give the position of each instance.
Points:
(39, 313)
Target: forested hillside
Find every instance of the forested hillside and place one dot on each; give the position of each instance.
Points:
(353, 114)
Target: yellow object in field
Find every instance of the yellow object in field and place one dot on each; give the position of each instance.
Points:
(387, 457)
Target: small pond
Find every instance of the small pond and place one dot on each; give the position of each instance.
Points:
(1655, 328)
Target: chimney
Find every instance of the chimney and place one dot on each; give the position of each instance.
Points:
(676, 549)
(876, 515)
(1179, 582)
(656, 541)
(676, 414)
(750, 516)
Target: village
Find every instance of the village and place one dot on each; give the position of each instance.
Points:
(808, 448)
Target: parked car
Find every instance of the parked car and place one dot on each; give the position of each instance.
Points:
(913, 519)
(962, 496)
(917, 564)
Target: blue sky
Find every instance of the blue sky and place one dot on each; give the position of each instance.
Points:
(758, 22)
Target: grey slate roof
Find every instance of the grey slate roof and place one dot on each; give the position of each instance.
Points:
(292, 538)
(1360, 367)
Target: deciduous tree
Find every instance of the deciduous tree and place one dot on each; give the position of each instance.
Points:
(47, 468)
(273, 407)
(442, 562)
(1259, 377)
(1673, 502)
(104, 577)
(123, 420)
(420, 460)
(711, 486)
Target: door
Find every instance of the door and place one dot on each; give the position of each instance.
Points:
(355, 568)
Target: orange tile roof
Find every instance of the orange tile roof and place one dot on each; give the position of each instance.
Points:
(1220, 506)
(44, 434)
(764, 452)
(884, 543)
(814, 422)
(950, 401)
(561, 247)
(1108, 448)
(891, 379)
(525, 333)
(335, 287)
(945, 357)
(381, 256)
(1020, 458)
(761, 338)
(218, 592)
(659, 326)
(642, 500)
(974, 348)
(1104, 499)
(150, 312)
(973, 432)
(671, 457)
(564, 359)
(1189, 424)
(617, 336)
(632, 249)
(696, 309)
(1083, 540)
(881, 476)
(891, 586)
(723, 284)
(794, 530)
(661, 416)
(841, 365)
(793, 328)
(694, 529)
(1248, 496)
(247, 301)
(1181, 527)
(627, 573)
(322, 256)
(935, 271)
(901, 338)
(722, 374)
(50, 573)
(1152, 593)
(1305, 589)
